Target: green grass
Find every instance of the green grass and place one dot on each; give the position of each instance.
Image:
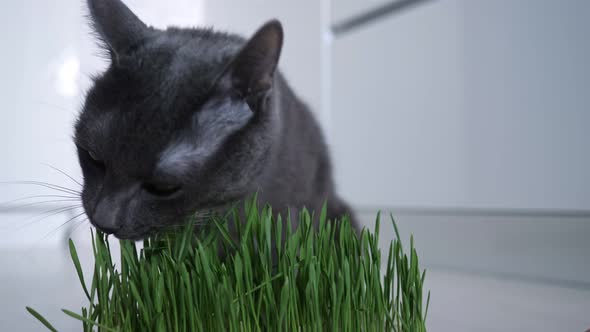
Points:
(272, 278)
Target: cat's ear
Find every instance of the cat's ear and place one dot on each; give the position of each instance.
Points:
(117, 26)
(252, 70)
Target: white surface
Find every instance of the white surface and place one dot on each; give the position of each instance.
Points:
(466, 303)
(551, 249)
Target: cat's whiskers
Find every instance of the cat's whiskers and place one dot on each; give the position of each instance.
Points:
(45, 185)
(22, 206)
(64, 173)
(75, 228)
(62, 225)
(47, 214)
(7, 204)
(63, 195)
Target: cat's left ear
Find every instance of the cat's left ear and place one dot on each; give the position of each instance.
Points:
(252, 71)
(117, 26)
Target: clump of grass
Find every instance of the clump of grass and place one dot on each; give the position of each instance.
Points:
(272, 278)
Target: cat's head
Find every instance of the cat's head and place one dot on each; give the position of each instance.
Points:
(180, 122)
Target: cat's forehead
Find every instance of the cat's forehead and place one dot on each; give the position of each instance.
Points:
(171, 66)
(189, 50)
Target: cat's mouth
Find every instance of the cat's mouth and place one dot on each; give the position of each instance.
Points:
(199, 219)
(123, 233)
(133, 235)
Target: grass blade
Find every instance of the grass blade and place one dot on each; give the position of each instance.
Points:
(41, 319)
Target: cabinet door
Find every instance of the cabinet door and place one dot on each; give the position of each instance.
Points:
(466, 104)
(398, 115)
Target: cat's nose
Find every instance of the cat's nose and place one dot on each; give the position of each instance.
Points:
(105, 216)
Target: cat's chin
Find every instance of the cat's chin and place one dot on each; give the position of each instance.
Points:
(131, 236)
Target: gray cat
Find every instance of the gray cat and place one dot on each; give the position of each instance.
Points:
(188, 120)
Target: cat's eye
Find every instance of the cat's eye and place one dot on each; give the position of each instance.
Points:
(95, 160)
(93, 156)
(161, 189)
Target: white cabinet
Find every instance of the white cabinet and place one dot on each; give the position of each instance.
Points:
(465, 104)
(398, 119)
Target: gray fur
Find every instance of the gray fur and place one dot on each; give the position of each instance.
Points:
(188, 120)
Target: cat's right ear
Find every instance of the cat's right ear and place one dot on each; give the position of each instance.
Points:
(251, 72)
(116, 25)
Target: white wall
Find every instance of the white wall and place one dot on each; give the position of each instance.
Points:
(41, 74)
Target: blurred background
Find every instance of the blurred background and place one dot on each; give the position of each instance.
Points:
(467, 120)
